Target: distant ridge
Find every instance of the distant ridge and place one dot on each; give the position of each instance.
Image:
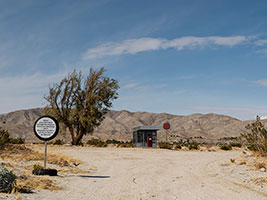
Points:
(119, 124)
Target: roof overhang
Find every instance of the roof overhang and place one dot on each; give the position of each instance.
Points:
(147, 128)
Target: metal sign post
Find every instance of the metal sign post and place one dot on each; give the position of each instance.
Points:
(166, 126)
(166, 136)
(46, 128)
(45, 154)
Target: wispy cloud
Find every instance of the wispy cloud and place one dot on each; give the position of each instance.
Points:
(25, 91)
(130, 85)
(134, 46)
(262, 82)
(261, 42)
(144, 87)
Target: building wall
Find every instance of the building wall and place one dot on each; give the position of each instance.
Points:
(140, 138)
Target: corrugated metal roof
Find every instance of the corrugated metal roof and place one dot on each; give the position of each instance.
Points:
(153, 128)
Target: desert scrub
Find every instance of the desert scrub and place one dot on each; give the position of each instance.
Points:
(112, 141)
(4, 136)
(97, 143)
(126, 144)
(256, 137)
(164, 145)
(16, 141)
(37, 167)
(7, 180)
(236, 144)
(58, 142)
(178, 146)
(226, 147)
(193, 146)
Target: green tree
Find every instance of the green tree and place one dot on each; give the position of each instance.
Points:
(256, 137)
(81, 103)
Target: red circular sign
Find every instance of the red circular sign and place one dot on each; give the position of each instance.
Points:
(166, 126)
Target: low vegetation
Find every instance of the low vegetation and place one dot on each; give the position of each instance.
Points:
(58, 142)
(179, 145)
(127, 144)
(255, 138)
(7, 180)
(97, 143)
(100, 143)
(37, 167)
(226, 147)
(19, 161)
(165, 145)
(5, 138)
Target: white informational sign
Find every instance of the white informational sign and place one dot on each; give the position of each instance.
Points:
(46, 128)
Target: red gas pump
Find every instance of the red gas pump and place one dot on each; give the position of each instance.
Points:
(149, 141)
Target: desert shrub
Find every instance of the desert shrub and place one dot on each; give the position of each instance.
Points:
(37, 167)
(113, 141)
(261, 165)
(16, 141)
(109, 141)
(226, 147)
(178, 146)
(232, 160)
(97, 143)
(236, 144)
(164, 145)
(58, 142)
(4, 136)
(127, 144)
(255, 138)
(7, 180)
(193, 146)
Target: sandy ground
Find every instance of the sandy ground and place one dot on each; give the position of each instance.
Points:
(141, 174)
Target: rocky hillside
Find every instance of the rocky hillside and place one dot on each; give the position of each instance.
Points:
(119, 124)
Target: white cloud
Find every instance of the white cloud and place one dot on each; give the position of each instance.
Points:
(139, 87)
(262, 82)
(130, 85)
(134, 46)
(261, 42)
(126, 47)
(193, 42)
(27, 91)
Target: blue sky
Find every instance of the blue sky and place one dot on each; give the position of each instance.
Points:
(178, 57)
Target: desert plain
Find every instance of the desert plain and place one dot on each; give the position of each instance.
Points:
(152, 174)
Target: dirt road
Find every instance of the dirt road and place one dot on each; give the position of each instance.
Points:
(141, 174)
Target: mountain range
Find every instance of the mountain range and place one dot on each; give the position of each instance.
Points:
(119, 125)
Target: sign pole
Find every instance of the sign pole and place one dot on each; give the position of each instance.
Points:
(166, 136)
(45, 128)
(45, 154)
(166, 126)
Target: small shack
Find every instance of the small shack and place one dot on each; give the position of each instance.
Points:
(145, 136)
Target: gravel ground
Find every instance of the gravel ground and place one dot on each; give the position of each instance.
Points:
(156, 174)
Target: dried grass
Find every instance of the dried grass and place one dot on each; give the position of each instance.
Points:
(260, 181)
(35, 183)
(260, 165)
(20, 159)
(22, 153)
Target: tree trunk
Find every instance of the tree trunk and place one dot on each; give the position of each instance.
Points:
(78, 138)
(72, 134)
